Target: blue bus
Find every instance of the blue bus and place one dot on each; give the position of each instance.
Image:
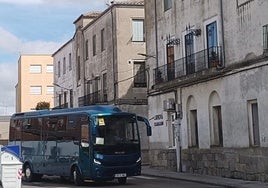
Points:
(99, 143)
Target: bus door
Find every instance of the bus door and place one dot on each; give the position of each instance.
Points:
(84, 149)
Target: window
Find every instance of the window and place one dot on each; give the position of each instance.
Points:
(104, 87)
(78, 64)
(50, 90)
(102, 40)
(217, 126)
(35, 90)
(94, 45)
(139, 74)
(49, 68)
(58, 68)
(64, 65)
(265, 37)
(167, 4)
(35, 68)
(137, 31)
(254, 132)
(70, 61)
(86, 49)
(65, 97)
(71, 98)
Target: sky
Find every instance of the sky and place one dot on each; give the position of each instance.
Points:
(34, 27)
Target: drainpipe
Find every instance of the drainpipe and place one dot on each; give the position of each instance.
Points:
(156, 33)
(222, 35)
(177, 124)
(113, 56)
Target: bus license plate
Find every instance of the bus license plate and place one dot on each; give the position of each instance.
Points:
(120, 175)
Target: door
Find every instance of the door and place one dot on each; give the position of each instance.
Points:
(84, 147)
(212, 43)
(189, 53)
(255, 124)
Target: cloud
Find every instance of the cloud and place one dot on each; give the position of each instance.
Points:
(11, 44)
(8, 80)
(21, 2)
(52, 2)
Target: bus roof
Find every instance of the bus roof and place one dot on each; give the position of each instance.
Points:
(92, 110)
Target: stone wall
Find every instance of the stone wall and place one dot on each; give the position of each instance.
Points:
(245, 163)
(163, 159)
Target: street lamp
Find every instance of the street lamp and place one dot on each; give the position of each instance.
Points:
(147, 56)
(61, 86)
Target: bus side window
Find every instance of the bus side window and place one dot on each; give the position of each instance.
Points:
(84, 135)
(15, 130)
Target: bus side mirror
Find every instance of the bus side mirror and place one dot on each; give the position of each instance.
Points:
(148, 127)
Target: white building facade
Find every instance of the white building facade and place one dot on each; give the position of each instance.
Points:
(63, 82)
(208, 86)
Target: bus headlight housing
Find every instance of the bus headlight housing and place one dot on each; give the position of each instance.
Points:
(97, 162)
(138, 160)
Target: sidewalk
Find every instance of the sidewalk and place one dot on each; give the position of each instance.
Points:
(213, 180)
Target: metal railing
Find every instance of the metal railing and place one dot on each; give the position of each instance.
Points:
(62, 106)
(202, 60)
(91, 99)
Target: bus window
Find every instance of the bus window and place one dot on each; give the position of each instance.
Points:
(31, 129)
(15, 130)
(114, 130)
(84, 135)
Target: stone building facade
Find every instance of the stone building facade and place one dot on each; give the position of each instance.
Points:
(208, 86)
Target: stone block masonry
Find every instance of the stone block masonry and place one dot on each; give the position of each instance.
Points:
(240, 163)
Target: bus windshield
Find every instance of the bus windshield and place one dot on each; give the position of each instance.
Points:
(116, 130)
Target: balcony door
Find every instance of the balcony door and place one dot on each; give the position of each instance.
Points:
(189, 53)
(212, 44)
(170, 62)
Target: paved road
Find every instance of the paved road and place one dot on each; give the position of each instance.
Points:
(140, 182)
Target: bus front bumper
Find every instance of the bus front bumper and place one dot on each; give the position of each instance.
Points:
(104, 173)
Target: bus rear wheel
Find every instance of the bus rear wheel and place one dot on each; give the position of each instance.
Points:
(122, 181)
(77, 179)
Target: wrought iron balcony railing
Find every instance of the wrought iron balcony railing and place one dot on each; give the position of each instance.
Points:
(92, 98)
(65, 105)
(202, 60)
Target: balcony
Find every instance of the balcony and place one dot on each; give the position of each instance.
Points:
(203, 60)
(62, 106)
(92, 98)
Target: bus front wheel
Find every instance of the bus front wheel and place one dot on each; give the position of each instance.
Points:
(77, 179)
(122, 181)
(28, 173)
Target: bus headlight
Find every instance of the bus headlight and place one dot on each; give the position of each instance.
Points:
(97, 162)
(138, 160)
